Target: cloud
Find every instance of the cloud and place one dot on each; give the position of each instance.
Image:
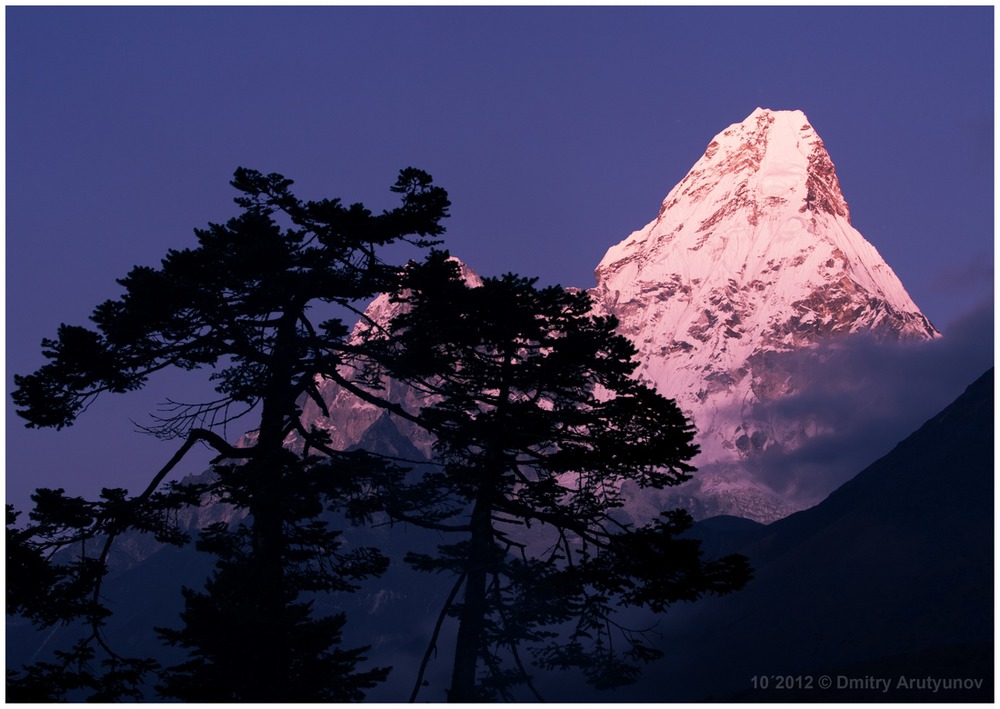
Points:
(866, 397)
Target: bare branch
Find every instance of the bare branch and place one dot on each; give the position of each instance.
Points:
(209, 414)
(418, 522)
(432, 645)
(316, 443)
(373, 399)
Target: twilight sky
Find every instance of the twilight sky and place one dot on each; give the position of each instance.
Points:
(556, 131)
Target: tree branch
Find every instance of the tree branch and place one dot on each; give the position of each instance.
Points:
(417, 522)
(432, 645)
(200, 434)
(376, 400)
(513, 647)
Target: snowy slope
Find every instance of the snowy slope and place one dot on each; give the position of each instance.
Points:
(751, 254)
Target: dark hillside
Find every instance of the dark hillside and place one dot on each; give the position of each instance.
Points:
(892, 574)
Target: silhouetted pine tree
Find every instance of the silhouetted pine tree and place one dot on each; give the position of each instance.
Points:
(539, 423)
(239, 303)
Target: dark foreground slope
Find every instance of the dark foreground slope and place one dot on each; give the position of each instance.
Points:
(890, 578)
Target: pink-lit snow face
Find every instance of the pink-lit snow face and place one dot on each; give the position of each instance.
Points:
(751, 258)
(752, 254)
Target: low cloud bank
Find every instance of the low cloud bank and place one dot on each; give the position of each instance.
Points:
(870, 396)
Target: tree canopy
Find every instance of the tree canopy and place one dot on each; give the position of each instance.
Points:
(538, 422)
(240, 303)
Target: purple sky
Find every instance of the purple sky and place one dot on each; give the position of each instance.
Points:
(557, 132)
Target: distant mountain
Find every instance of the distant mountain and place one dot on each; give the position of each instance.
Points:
(891, 576)
(751, 256)
(353, 423)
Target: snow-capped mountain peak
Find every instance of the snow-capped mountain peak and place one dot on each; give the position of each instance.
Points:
(751, 256)
(751, 253)
(772, 154)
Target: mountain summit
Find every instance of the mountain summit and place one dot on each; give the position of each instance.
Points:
(752, 254)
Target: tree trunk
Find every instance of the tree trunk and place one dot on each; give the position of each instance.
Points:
(482, 557)
(272, 672)
(472, 619)
(268, 678)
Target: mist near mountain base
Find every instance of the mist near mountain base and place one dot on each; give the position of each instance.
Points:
(863, 396)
